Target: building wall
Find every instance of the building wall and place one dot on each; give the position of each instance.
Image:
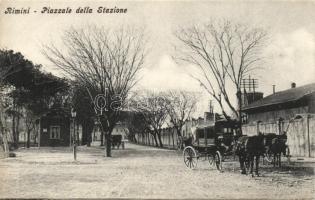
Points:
(300, 132)
(311, 100)
(275, 115)
(46, 123)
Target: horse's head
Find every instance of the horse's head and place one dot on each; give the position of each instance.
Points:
(283, 136)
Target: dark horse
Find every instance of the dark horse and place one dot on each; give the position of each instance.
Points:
(249, 149)
(116, 140)
(276, 145)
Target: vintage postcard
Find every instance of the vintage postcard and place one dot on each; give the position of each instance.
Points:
(157, 99)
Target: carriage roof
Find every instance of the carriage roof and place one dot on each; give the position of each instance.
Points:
(215, 126)
(195, 130)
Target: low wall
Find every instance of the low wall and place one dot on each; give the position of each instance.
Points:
(168, 137)
(301, 134)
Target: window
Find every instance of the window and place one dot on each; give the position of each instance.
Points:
(259, 127)
(281, 126)
(244, 119)
(54, 132)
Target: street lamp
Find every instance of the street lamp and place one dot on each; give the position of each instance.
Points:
(74, 114)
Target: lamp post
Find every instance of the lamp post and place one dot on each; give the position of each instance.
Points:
(74, 114)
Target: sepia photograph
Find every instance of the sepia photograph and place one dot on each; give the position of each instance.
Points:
(157, 99)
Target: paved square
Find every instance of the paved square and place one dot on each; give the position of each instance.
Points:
(140, 172)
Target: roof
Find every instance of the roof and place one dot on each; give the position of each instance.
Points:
(207, 125)
(290, 95)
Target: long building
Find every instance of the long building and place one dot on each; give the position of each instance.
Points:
(291, 111)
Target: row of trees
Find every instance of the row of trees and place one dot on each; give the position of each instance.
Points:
(107, 61)
(26, 93)
(102, 61)
(152, 111)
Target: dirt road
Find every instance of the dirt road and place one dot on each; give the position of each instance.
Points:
(140, 172)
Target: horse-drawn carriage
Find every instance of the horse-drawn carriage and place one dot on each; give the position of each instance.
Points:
(212, 142)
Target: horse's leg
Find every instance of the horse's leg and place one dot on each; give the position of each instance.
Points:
(257, 165)
(280, 159)
(251, 161)
(274, 159)
(241, 159)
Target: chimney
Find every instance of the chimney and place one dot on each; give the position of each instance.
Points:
(293, 85)
(273, 89)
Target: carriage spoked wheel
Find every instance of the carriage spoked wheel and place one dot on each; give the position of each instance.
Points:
(190, 157)
(218, 160)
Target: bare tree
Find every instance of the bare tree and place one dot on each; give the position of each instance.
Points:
(224, 53)
(153, 108)
(180, 106)
(105, 62)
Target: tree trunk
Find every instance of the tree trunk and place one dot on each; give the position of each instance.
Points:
(108, 144)
(90, 127)
(179, 133)
(102, 138)
(77, 135)
(17, 132)
(108, 138)
(239, 99)
(135, 139)
(28, 139)
(89, 139)
(173, 138)
(3, 137)
(155, 139)
(15, 140)
(84, 132)
(148, 138)
(160, 139)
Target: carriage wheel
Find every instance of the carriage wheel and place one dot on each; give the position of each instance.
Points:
(218, 160)
(190, 157)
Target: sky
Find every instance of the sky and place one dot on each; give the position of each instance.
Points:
(289, 54)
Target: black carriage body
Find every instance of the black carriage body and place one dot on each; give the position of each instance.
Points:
(216, 137)
(212, 142)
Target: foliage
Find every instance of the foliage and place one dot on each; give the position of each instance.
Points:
(31, 92)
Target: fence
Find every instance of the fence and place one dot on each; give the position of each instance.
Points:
(168, 136)
(300, 132)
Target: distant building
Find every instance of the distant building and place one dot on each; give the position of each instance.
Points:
(291, 111)
(55, 129)
(283, 105)
(121, 129)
